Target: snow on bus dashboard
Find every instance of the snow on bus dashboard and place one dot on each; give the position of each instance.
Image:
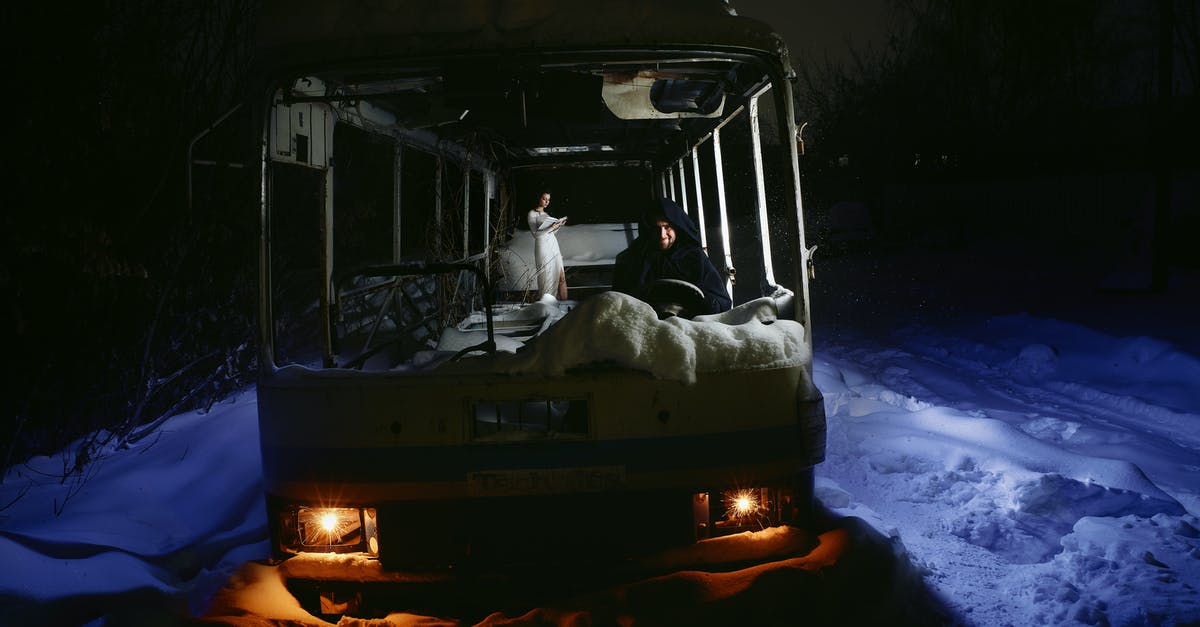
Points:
(616, 328)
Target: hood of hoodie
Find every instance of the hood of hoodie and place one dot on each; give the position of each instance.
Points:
(685, 228)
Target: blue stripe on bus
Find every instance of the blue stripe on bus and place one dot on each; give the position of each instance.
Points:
(452, 463)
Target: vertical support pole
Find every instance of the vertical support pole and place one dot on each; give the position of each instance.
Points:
(437, 208)
(266, 306)
(489, 192)
(719, 167)
(397, 174)
(466, 195)
(699, 199)
(760, 188)
(327, 286)
(670, 184)
(683, 195)
(803, 256)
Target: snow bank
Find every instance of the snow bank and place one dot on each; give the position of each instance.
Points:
(258, 590)
(773, 576)
(172, 512)
(1038, 470)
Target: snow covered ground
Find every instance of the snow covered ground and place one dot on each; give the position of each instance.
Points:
(1028, 444)
(1036, 481)
(1031, 436)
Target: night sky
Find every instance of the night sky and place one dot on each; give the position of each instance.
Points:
(822, 28)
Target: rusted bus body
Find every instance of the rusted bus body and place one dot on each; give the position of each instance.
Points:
(398, 142)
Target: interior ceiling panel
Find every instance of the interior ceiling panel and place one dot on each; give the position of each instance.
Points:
(527, 108)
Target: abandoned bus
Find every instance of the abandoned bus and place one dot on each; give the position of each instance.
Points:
(421, 404)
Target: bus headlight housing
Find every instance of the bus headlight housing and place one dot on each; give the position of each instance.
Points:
(733, 510)
(329, 530)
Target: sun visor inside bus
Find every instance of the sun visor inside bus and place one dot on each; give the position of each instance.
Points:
(649, 95)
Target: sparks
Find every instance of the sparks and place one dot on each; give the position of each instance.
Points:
(328, 526)
(741, 503)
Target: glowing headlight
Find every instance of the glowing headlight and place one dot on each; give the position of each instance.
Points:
(741, 504)
(330, 529)
(328, 526)
(733, 510)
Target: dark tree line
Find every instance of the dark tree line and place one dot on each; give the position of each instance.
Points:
(1007, 89)
(999, 83)
(124, 304)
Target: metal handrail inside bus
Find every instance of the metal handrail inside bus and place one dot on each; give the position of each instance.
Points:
(419, 268)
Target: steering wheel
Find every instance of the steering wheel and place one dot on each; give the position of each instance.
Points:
(676, 298)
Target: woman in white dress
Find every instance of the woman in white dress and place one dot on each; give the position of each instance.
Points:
(551, 278)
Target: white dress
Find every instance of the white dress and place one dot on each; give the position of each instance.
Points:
(546, 256)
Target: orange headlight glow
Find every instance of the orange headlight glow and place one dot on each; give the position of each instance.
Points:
(741, 503)
(337, 529)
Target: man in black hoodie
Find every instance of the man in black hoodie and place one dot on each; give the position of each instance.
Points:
(668, 247)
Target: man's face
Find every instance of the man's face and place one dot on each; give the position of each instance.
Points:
(666, 234)
(545, 201)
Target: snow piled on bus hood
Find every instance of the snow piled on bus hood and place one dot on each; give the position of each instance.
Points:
(618, 328)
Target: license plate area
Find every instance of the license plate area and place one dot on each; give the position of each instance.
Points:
(541, 481)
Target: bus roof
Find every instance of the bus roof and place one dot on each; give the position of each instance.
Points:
(301, 33)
